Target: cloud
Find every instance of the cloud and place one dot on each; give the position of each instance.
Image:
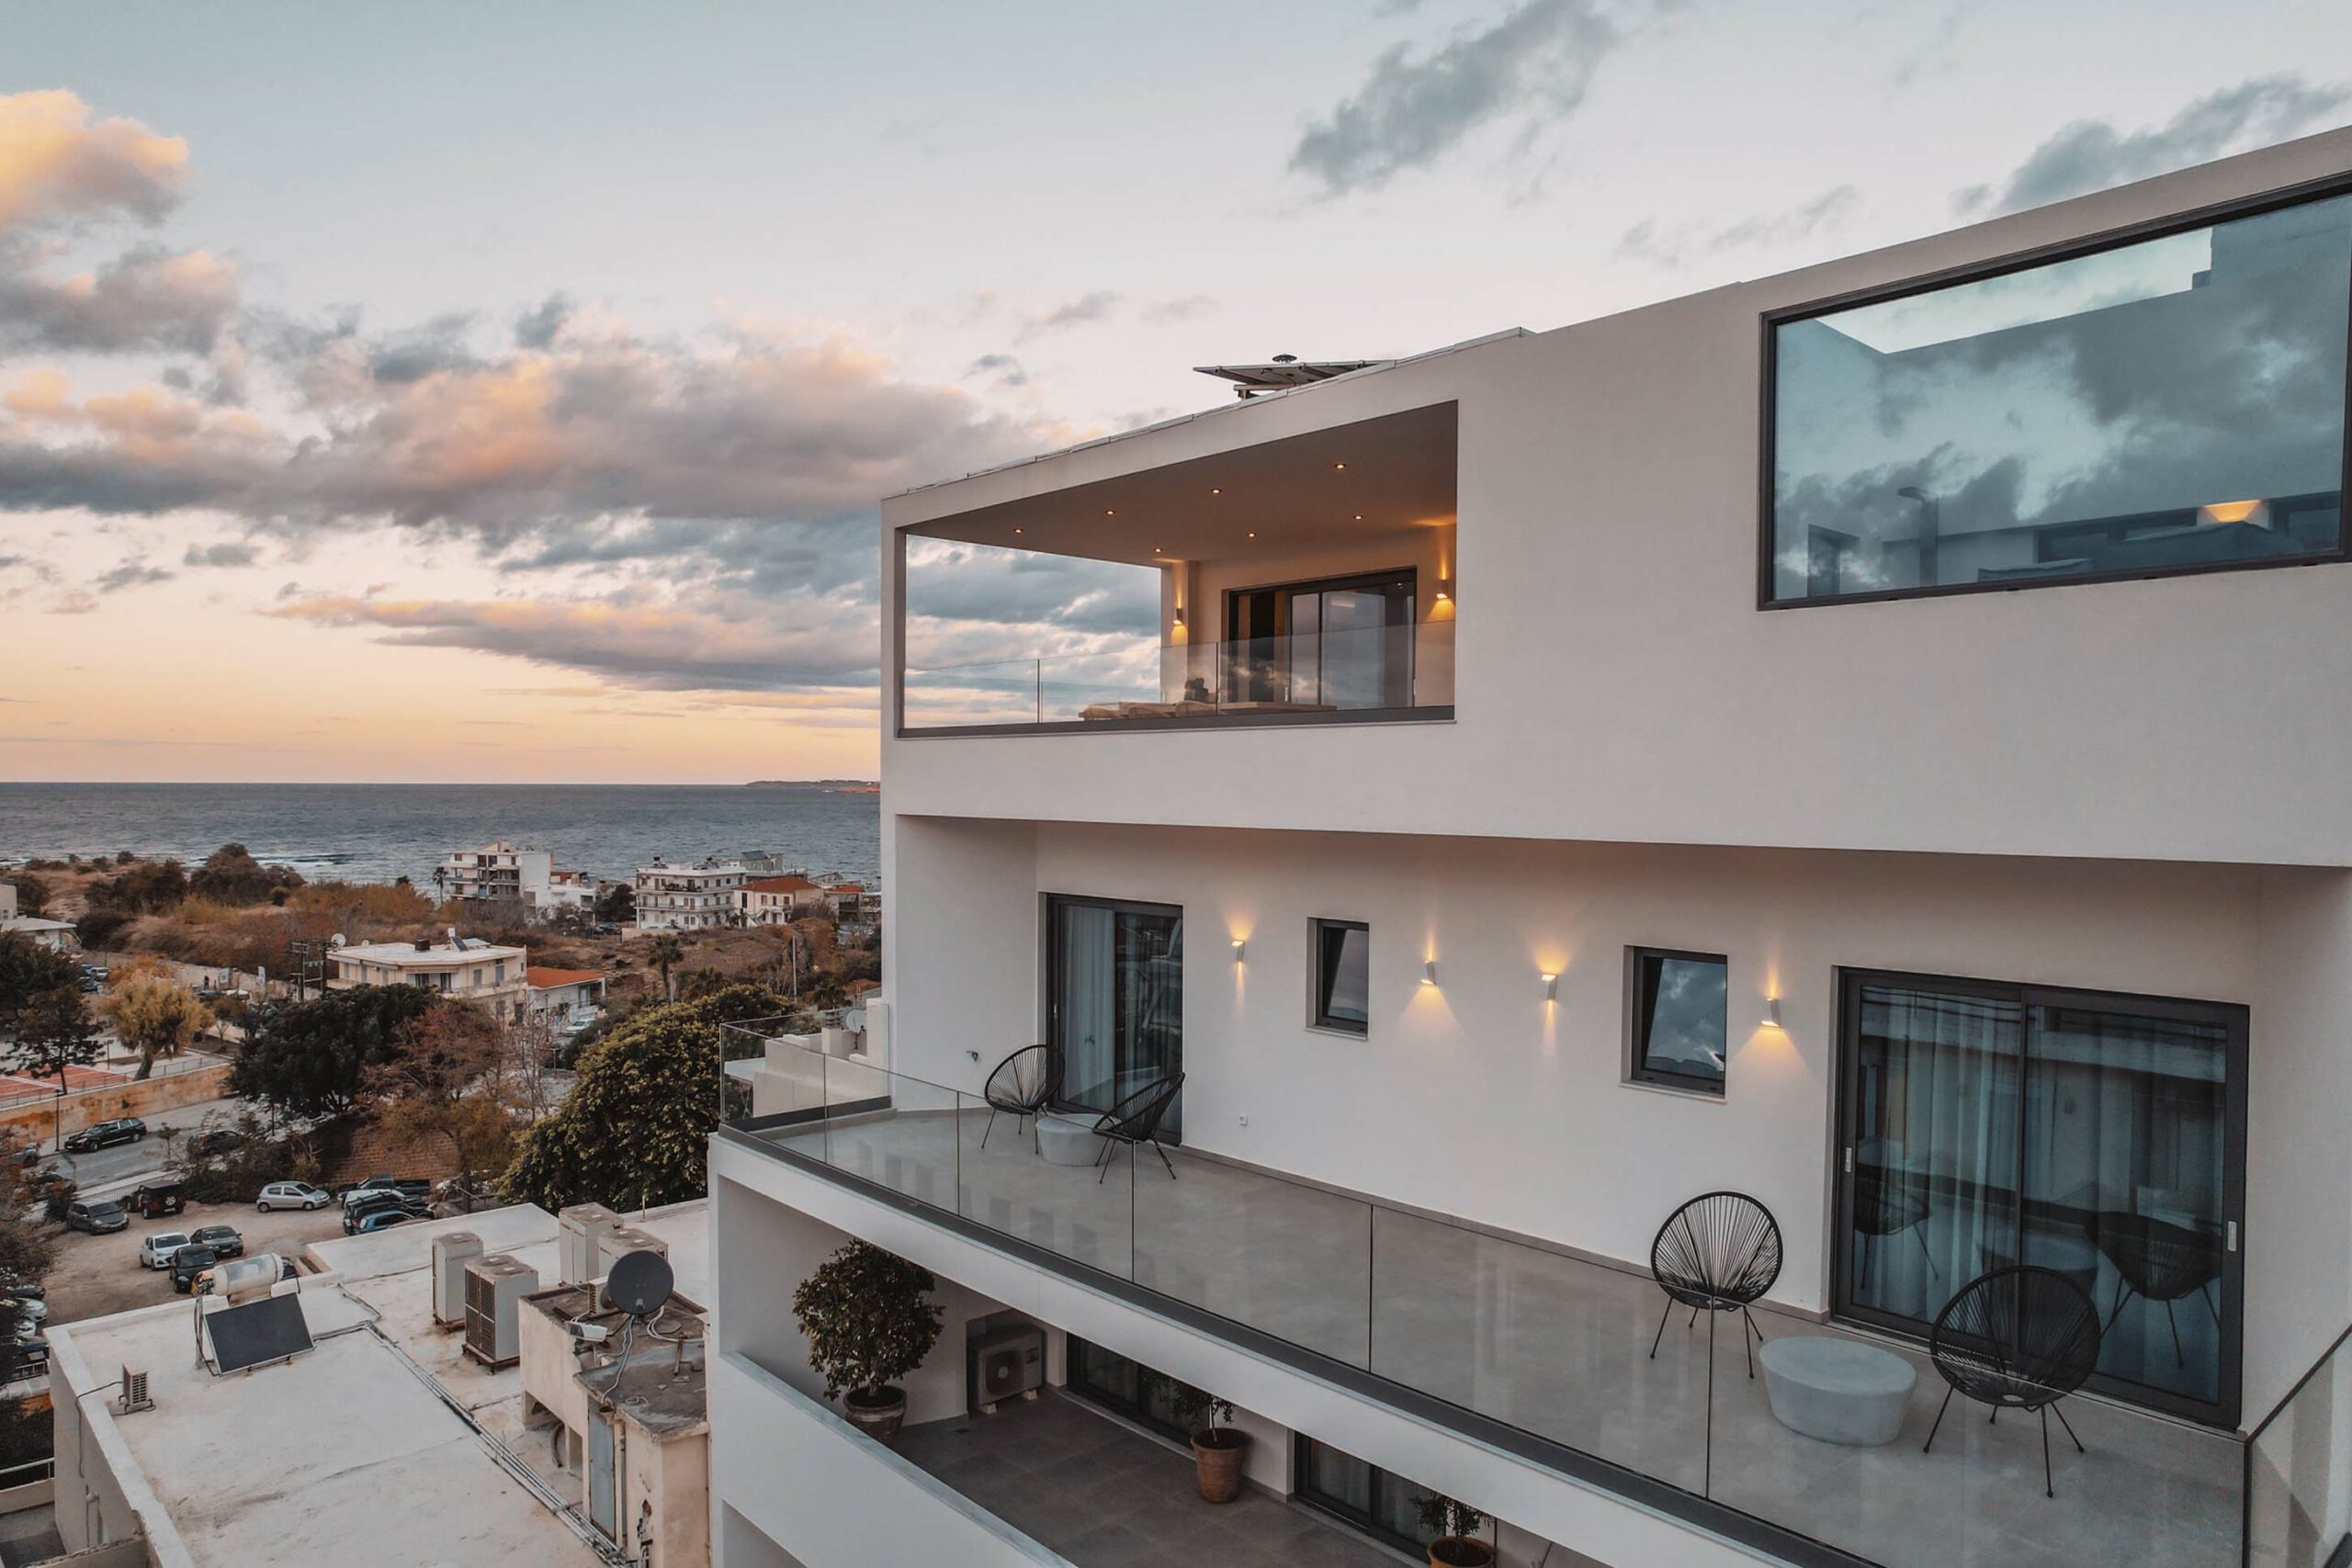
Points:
(59, 167)
(1674, 246)
(226, 555)
(2092, 154)
(1187, 309)
(1095, 306)
(538, 327)
(130, 574)
(1004, 367)
(732, 642)
(1538, 60)
(144, 301)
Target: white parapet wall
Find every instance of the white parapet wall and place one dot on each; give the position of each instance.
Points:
(834, 1497)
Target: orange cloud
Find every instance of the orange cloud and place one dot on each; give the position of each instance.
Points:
(57, 165)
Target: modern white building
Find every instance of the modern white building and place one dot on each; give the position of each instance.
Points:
(499, 871)
(465, 967)
(1871, 741)
(689, 897)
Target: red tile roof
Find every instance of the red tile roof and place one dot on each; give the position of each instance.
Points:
(546, 979)
(780, 884)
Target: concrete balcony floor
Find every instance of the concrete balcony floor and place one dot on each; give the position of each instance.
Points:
(1104, 1496)
(1560, 1347)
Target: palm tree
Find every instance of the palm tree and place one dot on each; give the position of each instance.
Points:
(440, 881)
(667, 949)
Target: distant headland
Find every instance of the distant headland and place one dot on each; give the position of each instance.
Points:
(837, 786)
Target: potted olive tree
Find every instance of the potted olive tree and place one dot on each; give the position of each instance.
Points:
(1217, 1449)
(870, 1321)
(1455, 1528)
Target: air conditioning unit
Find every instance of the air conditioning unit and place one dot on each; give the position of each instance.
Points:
(452, 1250)
(1005, 1362)
(134, 1394)
(619, 1243)
(495, 1287)
(581, 1224)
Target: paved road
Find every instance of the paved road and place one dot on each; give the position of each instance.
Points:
(125, 1161)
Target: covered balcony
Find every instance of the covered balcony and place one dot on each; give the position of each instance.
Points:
(1310, 580)
(1546, 1354)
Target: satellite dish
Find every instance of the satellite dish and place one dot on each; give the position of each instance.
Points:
(640, 1283)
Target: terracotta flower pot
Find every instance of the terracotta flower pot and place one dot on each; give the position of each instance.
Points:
(1218, 1461)
(876, 1412)
(1460, 1551)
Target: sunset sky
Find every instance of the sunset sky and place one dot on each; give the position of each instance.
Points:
(466, 392)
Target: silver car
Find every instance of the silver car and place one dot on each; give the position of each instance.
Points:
(293, 1195)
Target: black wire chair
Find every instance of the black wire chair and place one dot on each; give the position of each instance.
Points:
(1887, 1202)
(2160, 1261)
(1135, 1120)
(1022, 1086)
(2018, 1338)
(1720, 1252)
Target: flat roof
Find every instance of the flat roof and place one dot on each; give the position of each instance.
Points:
(408, 953)
(356, 1453)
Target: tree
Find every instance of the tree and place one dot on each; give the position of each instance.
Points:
(667, 949)
(869, 1319)
(310, 1059)
(148, 887)
(154, 1017)
(29, 970)
(634, 1129)
(230, 874)
(446, 1080)
(618, 904)
(55, 1032)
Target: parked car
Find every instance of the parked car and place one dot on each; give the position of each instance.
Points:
(188, 1263)
(26, 1156)
(219, 1141)
(372, 1219)
(154, 1200)
(415, 1208)
(155, 1252)
(106, 1134)
(222, 1239)
(293, 1195)
(101, 1218)
(379, 1185)
(24, 1309)
(23, 1290)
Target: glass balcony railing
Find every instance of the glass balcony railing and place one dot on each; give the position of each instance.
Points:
(1391, 672)
(1551, 1353)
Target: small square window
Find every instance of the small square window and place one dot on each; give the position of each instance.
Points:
(1676, 1019)
(1343, 996)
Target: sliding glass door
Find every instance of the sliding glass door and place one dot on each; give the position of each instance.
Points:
(2101, 1136)
(1115, 999)
(1342, 643)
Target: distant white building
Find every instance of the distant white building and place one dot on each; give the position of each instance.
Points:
(567, 996)
(465, 967)
(56, 935)
(568, 890)
(500, 872)
(777, 900)
(689, 897)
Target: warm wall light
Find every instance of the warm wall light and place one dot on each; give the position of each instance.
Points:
(1429, 972)
(1239, 947)
(1551, 988)
(1771, 1013)
(1179, 617)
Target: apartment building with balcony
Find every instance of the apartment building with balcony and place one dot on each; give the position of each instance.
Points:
(689, 898)
(500, 870)
(1871, 741)
(495, 976)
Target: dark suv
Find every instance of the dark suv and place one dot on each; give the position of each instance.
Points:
(106, 1134)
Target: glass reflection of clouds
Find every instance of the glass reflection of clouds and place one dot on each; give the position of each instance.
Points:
(2172, 403)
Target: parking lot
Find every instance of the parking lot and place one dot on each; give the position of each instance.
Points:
(95, 1275)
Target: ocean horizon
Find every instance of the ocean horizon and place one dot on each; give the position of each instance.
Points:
(375, 832)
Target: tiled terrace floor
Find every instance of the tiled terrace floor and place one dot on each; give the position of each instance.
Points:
(1105, 1497)
(1560, 1347)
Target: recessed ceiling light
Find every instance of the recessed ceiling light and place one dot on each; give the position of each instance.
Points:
(1109, 512)
(1253, 535)
(1359, 516)
(1338, 464)
(1016, 530)
(1214, 491)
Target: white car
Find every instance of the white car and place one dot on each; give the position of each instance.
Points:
(293, 1195)
(156, 1251)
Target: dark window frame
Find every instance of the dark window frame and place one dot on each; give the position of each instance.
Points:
(1319, 994)
(1302, 1491)
(2000, 267)
(1638, 1020)
(2235, 1017)
(1076, 1384)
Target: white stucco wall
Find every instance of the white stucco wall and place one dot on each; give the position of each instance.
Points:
(1615, 680)
(1477, 1099)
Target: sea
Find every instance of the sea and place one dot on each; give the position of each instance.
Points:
(379, 833)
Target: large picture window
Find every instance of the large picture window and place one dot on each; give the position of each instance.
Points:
(2171, 404)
